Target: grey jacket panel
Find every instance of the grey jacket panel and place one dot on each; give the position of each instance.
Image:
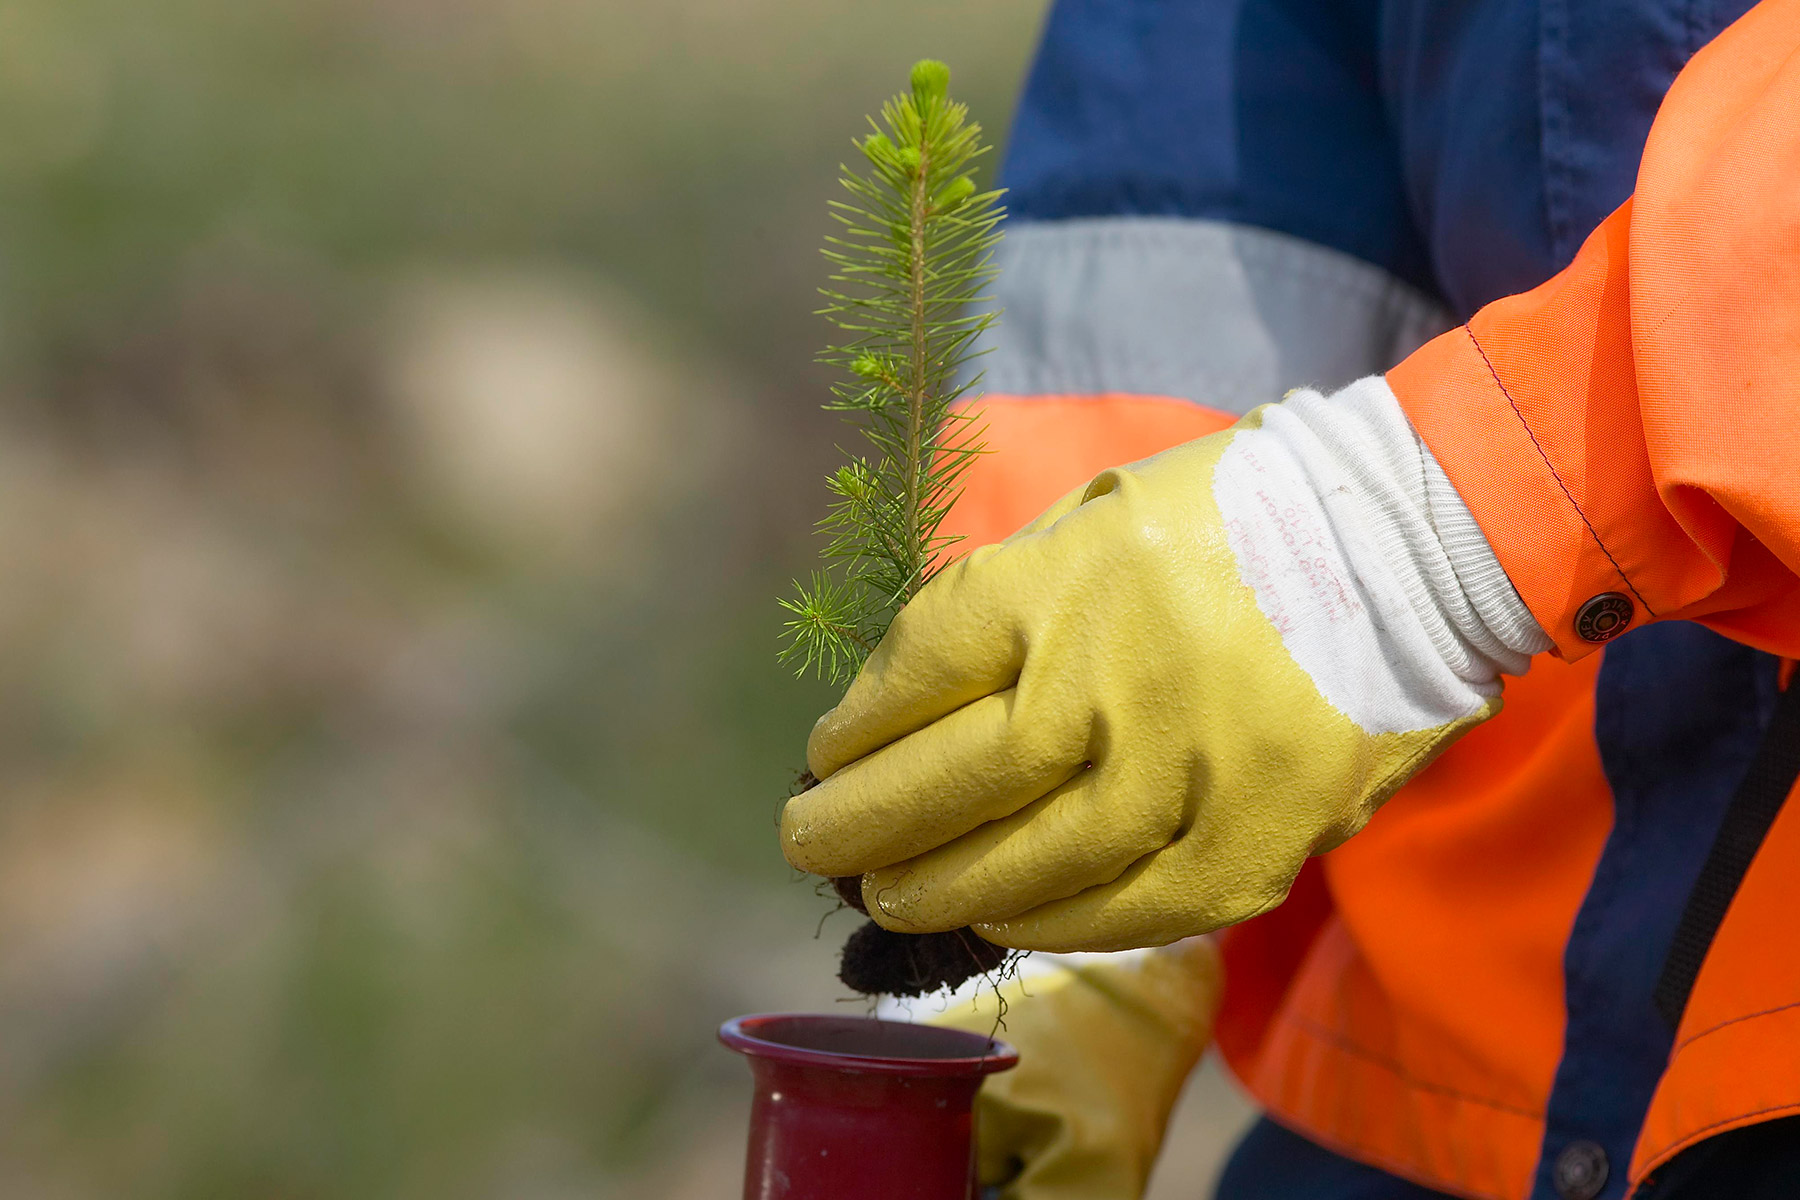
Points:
(1226, 315)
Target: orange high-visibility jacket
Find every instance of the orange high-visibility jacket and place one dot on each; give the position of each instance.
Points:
(1211, 207)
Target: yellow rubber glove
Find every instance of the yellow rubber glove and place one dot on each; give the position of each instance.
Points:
(1096, 736)
(1104, 1048)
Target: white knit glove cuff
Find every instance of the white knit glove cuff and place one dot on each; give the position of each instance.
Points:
(1367, 561)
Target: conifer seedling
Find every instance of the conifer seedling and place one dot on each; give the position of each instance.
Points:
(910, 256)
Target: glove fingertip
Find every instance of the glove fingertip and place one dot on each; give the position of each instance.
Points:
(822, 757)
(801, 844)
(901, 918)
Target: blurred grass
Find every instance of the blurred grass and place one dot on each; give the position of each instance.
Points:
(406, 422)
(685, 148)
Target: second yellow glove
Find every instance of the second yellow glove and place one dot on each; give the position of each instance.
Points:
(1104, 1048)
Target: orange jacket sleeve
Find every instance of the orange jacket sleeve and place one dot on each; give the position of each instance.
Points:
(1632, 426)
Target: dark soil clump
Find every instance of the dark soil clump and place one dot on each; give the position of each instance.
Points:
(849, 890)
(877, 962)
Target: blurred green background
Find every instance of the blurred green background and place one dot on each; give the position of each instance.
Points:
(407, 419)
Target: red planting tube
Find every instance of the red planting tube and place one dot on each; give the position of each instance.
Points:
(853, 1107)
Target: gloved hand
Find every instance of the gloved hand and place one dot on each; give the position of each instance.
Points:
(1104, 1048)
(1134, 720)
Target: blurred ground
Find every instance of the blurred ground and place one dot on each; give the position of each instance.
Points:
(406, 421)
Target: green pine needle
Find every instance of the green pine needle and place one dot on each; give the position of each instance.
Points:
(911, 257)
(826, 633)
